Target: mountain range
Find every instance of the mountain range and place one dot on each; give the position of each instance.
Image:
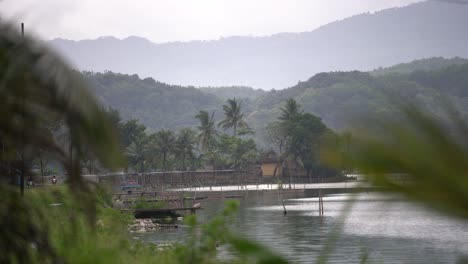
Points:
(362, 42)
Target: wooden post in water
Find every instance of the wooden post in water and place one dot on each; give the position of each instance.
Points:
(322, 207)
(284, 208)
(282, 201)
(320, 203)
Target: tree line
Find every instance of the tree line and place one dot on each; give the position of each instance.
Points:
(296, 137)
(211, 144)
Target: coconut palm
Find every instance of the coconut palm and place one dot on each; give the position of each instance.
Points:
(233, 116)
(165, 143)
(36, 86)
(207, 135)
(184, 146)
(137, 152)
(207, 130)
(291, 108)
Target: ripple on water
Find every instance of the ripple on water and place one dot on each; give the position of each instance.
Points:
(385, 228)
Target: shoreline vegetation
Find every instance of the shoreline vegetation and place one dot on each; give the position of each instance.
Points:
(109, 241)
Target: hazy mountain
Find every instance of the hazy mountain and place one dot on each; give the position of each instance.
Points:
(362, 42)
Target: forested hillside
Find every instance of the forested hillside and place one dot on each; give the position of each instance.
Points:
(155, 104)
(430, 64)
(242, 92)
(355, 99)
(341, 99)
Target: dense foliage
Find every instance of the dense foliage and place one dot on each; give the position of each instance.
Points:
(188, 149)
(340, 99)
(155, 104)
(298, 138)
(431, 64)
(358, 99)
(37, 90)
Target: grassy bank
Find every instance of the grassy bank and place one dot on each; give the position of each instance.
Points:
(75, 240)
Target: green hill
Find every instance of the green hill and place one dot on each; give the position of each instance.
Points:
(341, 99)
(435, 63)
(155, 104)
(355, 99)
(240, 92)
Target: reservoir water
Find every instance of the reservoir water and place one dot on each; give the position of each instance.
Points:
(380, 228)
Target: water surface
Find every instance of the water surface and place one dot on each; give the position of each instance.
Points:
(381, 228)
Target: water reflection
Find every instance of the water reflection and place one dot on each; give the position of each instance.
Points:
(385, 228)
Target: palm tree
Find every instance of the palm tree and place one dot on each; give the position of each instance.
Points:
(165, 143)
(184, 145)
(290, 109)
(233, 117)
(207, 135)
(36, 86)
(207, 130)
(137, 151)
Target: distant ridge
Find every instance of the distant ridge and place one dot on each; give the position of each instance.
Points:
(429, 64)
(362, 42)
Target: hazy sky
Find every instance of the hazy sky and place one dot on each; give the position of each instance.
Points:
(180, 20)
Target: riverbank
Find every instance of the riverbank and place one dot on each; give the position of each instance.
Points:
(107, 239)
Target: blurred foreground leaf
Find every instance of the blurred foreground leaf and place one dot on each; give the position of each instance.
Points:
(421, 156)
(36, 89)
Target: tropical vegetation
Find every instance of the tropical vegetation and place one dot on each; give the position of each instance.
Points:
(298, 138)
(188, 148)
(341, 99)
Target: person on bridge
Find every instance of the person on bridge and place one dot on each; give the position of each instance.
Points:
(54, 180)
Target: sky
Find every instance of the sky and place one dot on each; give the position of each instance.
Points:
(180, 20)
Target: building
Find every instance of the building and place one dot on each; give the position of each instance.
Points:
(269, 163)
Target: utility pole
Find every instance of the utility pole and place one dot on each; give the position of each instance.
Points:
(22, 135)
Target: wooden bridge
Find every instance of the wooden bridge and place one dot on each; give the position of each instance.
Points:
(173, 179)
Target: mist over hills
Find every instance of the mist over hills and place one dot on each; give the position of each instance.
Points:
(363, 42)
